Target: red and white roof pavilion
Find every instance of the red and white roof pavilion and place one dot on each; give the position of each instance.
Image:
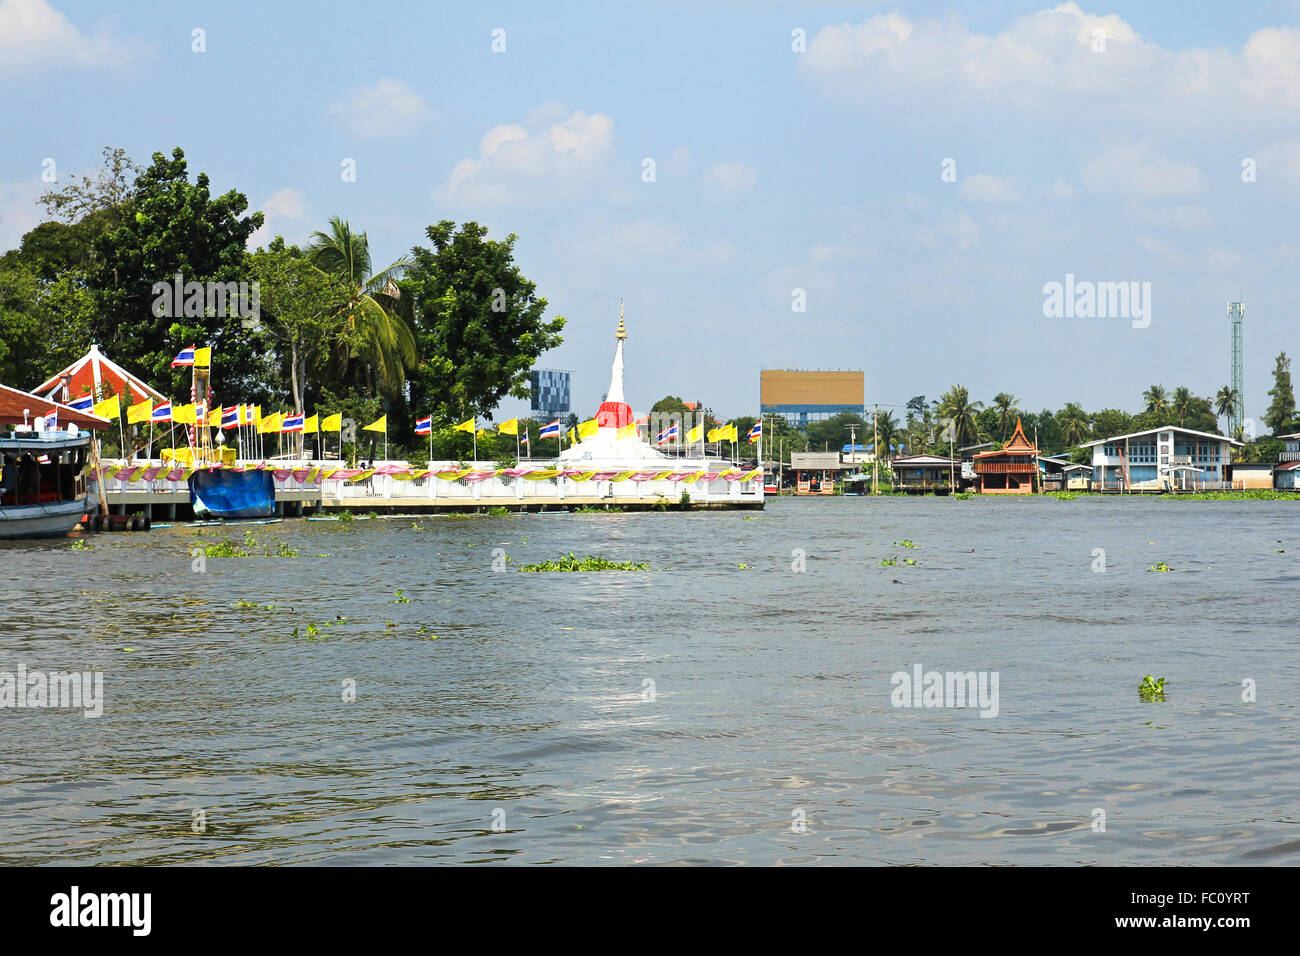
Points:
(90, 373)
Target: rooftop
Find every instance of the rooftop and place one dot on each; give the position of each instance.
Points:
(1161, 428)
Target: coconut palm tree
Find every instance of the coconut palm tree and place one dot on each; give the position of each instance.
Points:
(374, 332)
(1181, 403)
(1005, 403)
(1074, 423)
(956, 405)
(887, 434)
(1156, 399)
(1225, 402)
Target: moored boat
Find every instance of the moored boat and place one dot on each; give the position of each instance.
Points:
(44, 489)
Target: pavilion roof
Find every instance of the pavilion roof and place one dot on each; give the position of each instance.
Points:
(1017, 445)
(13, 402)
(90, 373)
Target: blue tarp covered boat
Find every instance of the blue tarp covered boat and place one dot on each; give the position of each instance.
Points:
(232, 494)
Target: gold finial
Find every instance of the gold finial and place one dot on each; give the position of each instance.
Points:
(622, 329)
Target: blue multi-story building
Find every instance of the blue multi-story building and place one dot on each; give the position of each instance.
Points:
(1287, 474)
(1161, 458)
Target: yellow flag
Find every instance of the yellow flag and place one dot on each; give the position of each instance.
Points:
(482, 433)
(573, 435)
(183, 414)
(270, 424)
(139, 413)
(311, 424)
(333, 423)
(214, 417)
(465, 426)
(732, 434)
(695, 434)
(588, 428)
(202, 358)
(628, 430)
(509, 428)
(714, 433)
(109, 408)
(380, 424)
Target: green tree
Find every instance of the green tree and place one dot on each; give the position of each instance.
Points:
(1004, 403)
(1181, 403)
(1073, 424)
(170, 227)
(1281, 411)
(1110, 422)
(888, 435)
(833, 433)
(669, 403)
(956, 405)
(299, 305)
(373, 331)
(1156, 400)
(1225, 403)
(480, 326)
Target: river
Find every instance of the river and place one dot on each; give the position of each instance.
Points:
(730, 705)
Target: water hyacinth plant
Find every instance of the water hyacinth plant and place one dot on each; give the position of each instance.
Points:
(572, 562)
(1152, 690)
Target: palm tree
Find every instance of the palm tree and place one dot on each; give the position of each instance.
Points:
(1225, 403)
(1156, 399)
(1074, 423)
(1181, 403)
(887, 434)
(1005, 403)
(956, 405)
(374, 333)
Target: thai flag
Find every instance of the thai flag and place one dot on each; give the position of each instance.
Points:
(550, 431)
(83, 404)
(52, 421)
(230, 417)
(667, 435)
(524, 439)
(161, 413)
(292, 423)
(424, 426)
(755, 432)
(185, 358)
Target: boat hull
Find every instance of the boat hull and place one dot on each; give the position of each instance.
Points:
(44, 521)
(232, 494)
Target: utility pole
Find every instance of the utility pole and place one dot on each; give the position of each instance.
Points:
(875, 451)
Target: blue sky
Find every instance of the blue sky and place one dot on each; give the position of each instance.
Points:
(775, 170)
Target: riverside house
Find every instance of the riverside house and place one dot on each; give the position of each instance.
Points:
(1286, 475)
(1167, 458)
(921, 474)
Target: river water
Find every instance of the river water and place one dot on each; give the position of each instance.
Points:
(698, 712)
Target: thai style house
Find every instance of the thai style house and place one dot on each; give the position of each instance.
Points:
(1167, 458)
(1010, 470)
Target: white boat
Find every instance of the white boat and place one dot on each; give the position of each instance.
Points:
(44, 486)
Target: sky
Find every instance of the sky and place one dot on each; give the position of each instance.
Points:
(913, 174)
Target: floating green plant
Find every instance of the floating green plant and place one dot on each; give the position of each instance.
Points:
(964, 495)
(888, 562)
(743, 567)
(399, 597)
(80, 545)
(1160, 566)
(499, 512)
(572, 562)
(906, 543)
(1152, 690)
(910, 561)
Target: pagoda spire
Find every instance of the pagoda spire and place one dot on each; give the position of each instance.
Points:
(615, 393)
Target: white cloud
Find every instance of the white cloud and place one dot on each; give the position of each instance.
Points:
(1060, 189)
(385, 108)
(957, 228)
(553, 144)
(983, 187)
(1046, 63)
(1140, 171)
(1280, 162)
(31, 31)
(1176, 217)
(1221, 260)
(284, 214)
(727, 180)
